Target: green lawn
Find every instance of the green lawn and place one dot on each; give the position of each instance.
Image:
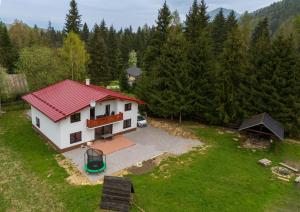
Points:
(222, 178)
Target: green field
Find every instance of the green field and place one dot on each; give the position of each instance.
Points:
(221, 178)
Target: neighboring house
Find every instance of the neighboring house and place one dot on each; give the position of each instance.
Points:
(69, 113)
(16, 84)
(133, 74)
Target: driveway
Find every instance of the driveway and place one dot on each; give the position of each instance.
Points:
(149, 142)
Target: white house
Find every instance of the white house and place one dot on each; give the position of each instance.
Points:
(69, 114)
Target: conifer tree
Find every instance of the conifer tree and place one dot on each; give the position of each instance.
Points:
(231, 22)
(196, 20)
(284, 73)
(85, 33)
(98, 68)
(200, 59)
(218, 33)
(8, 54)
(170, 96)
(73, 19)
(115, 61)
(159, 37)
(230, 76)
(258, 72)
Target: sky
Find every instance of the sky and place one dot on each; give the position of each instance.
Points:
(120, 13)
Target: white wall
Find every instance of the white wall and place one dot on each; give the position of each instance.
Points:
(59, 133)
(47, 126)
(89, 134)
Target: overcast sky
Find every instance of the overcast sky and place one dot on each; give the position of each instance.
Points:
(120, 13)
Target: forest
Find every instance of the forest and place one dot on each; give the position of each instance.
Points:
(216, 72)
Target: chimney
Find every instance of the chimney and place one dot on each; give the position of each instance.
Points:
(87, 81)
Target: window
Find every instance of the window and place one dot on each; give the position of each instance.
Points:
(75, 118)
(127, 123)
(128, 107)
(37, 122)
(75, 137)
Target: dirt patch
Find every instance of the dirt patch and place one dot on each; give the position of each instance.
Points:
(252, 143)
(75, 176)
(173, 128)
(149, 165)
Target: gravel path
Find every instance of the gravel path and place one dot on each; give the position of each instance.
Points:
(150, 142)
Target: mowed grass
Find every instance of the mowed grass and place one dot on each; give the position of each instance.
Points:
(30, 178)
(221, 178)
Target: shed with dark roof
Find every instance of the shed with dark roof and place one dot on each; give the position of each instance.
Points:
(263, 124)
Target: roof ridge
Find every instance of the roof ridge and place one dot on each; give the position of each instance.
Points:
(48, 104)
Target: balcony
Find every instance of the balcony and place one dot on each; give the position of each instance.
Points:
(104, 120)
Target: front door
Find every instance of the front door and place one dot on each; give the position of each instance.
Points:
(107, 110)
(100, 131)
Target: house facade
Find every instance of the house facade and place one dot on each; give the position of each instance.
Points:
(69, 114)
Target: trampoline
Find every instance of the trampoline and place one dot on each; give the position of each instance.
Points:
(94, 161)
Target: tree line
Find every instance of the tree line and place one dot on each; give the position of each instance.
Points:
(217, 72)
(220, 72)
(106, 51)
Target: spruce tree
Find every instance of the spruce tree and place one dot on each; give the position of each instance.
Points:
(159, 37)
(8, 54)
(98, 68)
(85, 33)
(152, 55)
(73, 19)
(258, 71)
(231, 22)
(284, 73)
(218, 33)
(230, 77)
(196, 20)
(170, 96)
(115, 61)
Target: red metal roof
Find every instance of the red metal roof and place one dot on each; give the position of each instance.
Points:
(67, 97)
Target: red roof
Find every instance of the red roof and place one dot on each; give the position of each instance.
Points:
(67, 97)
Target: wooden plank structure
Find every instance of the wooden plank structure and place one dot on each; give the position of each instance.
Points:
(263, 124)
(117, 194)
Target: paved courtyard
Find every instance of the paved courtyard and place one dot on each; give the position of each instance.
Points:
(149, 142)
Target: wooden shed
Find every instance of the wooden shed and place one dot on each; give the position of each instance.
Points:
(117, 194)
(264, 125)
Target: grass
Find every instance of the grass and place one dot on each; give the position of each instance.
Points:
(222, 178)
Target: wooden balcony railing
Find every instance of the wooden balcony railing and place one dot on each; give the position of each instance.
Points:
(104, 121)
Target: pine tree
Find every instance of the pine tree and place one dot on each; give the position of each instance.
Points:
(8, 54)
(201, 62)
(231, 22)
(159, 37)
(284, 73)
(51, 36)
(85, 33)
(115, 61)
(230, 77)
(98, 68)
(218, 33)
(196, 20)
(258, 72)
(170, 96)
(73, 19)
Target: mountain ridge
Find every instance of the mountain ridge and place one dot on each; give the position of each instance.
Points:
(212, 14)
